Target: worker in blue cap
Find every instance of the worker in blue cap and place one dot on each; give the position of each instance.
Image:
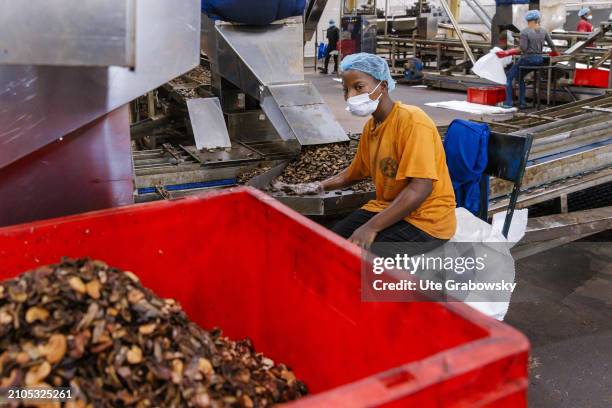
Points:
(585, 16)
(400, 149)
(531, 47)
(333, 36)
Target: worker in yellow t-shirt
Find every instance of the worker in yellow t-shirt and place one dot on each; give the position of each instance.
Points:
(402, 152)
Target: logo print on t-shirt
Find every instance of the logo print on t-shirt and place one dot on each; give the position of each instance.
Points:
(388, 167)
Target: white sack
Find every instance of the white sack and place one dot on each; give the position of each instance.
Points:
(472, 229)
(491, 67)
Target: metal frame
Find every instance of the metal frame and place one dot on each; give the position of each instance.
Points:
(554, 190)
(312, 15)
(429, 50)
(507, 158)
(458, 31)
(548, 232)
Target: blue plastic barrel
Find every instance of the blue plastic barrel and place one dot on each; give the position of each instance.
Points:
(260, 12)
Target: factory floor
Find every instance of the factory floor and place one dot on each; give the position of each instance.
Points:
(331, 91)
(568, 320)
(567, 311)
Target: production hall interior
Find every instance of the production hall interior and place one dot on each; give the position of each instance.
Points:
(306, 203)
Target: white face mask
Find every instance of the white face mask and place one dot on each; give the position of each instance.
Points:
(589, 17)
(362, 105)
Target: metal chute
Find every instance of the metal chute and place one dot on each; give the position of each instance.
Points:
(253, 59)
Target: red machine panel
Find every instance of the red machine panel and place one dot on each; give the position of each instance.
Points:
(88, 169)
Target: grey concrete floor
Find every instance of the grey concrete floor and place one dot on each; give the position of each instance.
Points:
(567, 316)
(563, 301)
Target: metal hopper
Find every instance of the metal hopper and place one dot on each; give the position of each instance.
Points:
(266, 63)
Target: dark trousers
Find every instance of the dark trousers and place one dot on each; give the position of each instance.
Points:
(327, 57)
(401, 237)
(516, 72)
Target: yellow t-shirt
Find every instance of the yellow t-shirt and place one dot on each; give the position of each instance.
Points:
(407, 145)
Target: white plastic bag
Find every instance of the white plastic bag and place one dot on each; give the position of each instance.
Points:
(518, 225)
(491, 67)
(472, 229)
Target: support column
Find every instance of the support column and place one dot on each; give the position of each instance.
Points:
(455, 6)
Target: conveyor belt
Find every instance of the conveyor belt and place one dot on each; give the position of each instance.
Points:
(542, 198)
(568, 110)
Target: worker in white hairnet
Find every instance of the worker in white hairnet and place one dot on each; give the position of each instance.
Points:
(401, 151)
(585, 16)
(531, 50)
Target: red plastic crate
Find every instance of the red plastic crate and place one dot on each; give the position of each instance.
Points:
(242, 261)
(489, 95)
(593, 77)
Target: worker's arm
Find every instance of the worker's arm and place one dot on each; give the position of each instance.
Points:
(357, 171)
(343, 179)
(507, 53)
(408, 200)
(551, 44)
(354, 173)
(523, 42)
(340, 180)
(516, 50)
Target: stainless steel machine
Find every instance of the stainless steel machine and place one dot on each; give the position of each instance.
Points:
(258, 110)
(64, 128)
(250, 59)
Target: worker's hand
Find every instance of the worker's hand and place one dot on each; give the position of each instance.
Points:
(280, 186)
(501, 54)
(363, 236)
(308, 188)
(554, 53)
(299, 189)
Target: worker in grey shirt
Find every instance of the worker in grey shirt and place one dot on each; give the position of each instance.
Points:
(532, 44)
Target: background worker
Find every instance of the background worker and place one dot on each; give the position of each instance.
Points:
(402, 152)
(531, 47)
(333, 36)
(584, 24)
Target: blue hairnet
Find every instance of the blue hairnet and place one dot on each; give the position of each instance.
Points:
(583, 11)
(533, 15)
(370, 64)
(332, 22)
